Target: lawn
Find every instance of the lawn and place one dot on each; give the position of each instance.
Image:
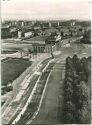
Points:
(12, 68)
(8, 51)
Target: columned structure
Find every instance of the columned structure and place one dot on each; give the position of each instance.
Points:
(38, 48)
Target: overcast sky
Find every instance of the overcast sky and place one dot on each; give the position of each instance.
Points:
(45, 9)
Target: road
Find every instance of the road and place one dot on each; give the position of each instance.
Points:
(49, 109)
(48, 113)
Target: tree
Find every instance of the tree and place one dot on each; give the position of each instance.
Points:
(84, 115)
(82, 93)
(84, 69)
(70, 79)
(77, 64)
(86, 37)
(69, 111)
(69, 63)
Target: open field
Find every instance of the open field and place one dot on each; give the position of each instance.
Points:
(8, 51)
(15, 46)
(12, 68)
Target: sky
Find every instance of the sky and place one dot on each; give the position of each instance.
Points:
(46, 9)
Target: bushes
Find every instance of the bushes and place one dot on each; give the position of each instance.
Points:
(82, 94)
(69, 110)
(77, 93)
(84, 115)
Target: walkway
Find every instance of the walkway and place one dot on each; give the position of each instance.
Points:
(10, 111)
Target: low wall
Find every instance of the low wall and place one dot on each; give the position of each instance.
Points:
(5, 59)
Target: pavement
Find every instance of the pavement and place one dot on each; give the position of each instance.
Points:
(48, 113)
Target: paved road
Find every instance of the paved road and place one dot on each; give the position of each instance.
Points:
(49, 109)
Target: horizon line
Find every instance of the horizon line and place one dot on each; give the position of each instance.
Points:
(49, 19)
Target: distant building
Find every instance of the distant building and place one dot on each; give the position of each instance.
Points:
(14, 32)
(50, 40)
(38, 43)
(38, 48)
(28, 34)
(45, 25)
(73, 23)
(37, 27)
(54, 24)
(58, 38)
(65, 31)
(22, 23)
(19, 34)
(49, 24)
(48, 48)
(49, 31)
